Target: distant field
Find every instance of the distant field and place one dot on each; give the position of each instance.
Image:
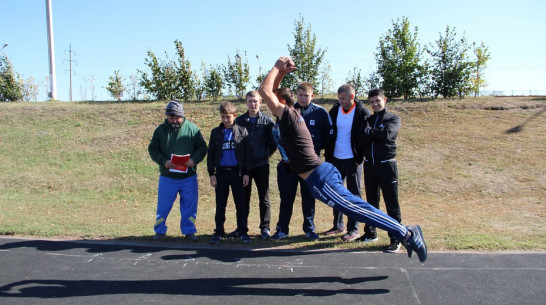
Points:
(472, 173)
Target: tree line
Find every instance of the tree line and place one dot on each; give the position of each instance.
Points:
(447, 67)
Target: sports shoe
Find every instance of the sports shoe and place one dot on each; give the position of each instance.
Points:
(265, 234)
(351, 236)
(234, 234)
(245, 238)
(192, 237)
(333, 231)
(312, 235)
(416, 243)
(394, 246)
(216, 238)
(368, 238)
(279, 235)
(158, 236)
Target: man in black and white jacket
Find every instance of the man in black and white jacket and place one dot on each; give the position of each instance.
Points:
(347, 115)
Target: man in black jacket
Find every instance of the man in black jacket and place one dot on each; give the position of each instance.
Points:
(228, 165)
(259, 126)
(348, 114)
(320, 126)
(377, 139)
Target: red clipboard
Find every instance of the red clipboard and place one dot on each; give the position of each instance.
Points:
(180, 163)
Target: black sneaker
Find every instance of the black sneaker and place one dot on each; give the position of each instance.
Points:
(245, 238)
(416, 243)
(312, 235)
(235, 234)
(265, 234)
(351, 236)
(368, 238)
(192, 237)
(279, 235)
(393, 247)
(158, 236)
(216, 238)
(333, 231)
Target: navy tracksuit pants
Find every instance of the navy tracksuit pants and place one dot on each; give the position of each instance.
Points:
(326, 185)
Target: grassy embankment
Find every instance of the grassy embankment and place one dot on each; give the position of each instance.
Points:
(472, 174)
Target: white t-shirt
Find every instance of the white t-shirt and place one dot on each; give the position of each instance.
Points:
(344, 123)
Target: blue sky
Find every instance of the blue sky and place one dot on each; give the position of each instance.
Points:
(109, 35)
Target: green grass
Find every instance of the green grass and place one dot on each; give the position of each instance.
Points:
(468, 176)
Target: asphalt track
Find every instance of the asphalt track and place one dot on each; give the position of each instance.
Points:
(93, 272)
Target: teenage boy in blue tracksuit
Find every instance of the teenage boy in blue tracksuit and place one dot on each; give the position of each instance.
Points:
(322, 178)
(177, 136)
(319, 124)
(228, 165)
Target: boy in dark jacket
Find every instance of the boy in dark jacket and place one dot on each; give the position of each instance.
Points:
(228, 165)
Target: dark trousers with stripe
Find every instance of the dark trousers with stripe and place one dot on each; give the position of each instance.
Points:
(326, 185)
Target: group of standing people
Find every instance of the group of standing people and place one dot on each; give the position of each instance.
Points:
(240, 147)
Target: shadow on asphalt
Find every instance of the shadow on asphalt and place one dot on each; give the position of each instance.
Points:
(217, 253)
(201, 286)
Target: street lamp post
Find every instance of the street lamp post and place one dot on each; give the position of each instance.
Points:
(51, 49)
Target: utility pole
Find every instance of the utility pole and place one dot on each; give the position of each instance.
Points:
(259, 65)
(51, 51)
(70, 67)
(70, 60)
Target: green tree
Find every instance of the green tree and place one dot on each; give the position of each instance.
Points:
(199, 82)
(29, 89)
(157, 84)
(450, 68)
(237, 74)
(358, 82)
(372, 82)
(398, 60)
(325, 80)
(424, 80)
(115, 85)
(134, 87)
(481, 56)
(184, 74)
(169, 79)
(214, 83)
(10, 89)
(306, 56)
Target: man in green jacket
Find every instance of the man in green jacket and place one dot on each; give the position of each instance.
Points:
(177, 136)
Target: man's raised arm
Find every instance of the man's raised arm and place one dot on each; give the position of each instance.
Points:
(284, 65)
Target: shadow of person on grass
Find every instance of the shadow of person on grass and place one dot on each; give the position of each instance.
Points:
(519, 127)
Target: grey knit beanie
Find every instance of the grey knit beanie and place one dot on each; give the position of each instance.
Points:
(174, 108)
